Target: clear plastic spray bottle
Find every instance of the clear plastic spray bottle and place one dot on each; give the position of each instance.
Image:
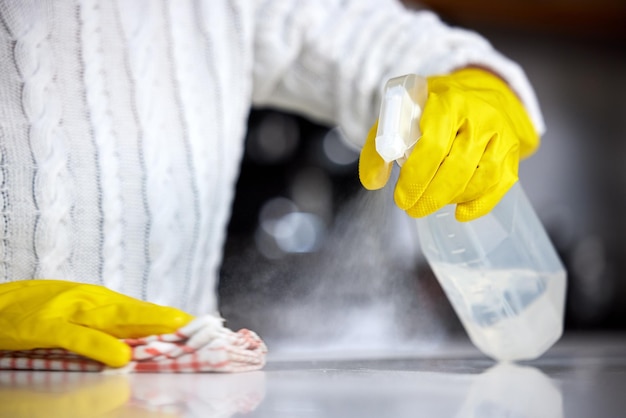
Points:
(500, 272)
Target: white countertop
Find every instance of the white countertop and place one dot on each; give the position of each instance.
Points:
(582, 376)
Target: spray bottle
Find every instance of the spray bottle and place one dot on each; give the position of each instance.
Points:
(500, 272)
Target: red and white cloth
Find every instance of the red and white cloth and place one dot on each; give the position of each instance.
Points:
(204, 345)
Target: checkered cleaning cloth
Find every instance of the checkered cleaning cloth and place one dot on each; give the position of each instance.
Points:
(204, 345)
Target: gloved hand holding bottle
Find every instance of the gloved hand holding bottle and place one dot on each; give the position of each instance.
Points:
(474, 132)
(458, 139)
(86, 319)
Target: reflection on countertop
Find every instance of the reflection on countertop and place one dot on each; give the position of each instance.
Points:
(579, 377)
(78, 395)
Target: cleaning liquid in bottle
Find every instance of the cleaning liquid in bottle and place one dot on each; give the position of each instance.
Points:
(500, 272)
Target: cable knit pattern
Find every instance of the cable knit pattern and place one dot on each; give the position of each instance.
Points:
(162, 134)
(122, 123)
(105, 137)
(40, 101)
(5, 212)
(198, 116)
(226, 76)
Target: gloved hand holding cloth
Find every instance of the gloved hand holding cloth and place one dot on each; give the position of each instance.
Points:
(85, 319)
(474, 130)
(60, 325)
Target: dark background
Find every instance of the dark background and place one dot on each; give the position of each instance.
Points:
(351, 274)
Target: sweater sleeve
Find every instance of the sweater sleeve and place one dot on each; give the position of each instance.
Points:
(329, 59)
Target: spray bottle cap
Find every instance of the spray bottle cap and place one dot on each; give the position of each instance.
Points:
(398, 124)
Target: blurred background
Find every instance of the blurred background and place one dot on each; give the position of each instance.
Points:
(313, 259)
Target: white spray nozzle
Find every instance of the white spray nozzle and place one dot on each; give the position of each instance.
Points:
(398, 124)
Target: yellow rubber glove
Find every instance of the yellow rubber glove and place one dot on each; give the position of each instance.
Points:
(83, 318)
(474, 132)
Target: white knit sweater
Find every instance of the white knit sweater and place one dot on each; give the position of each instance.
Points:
(122, 122)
